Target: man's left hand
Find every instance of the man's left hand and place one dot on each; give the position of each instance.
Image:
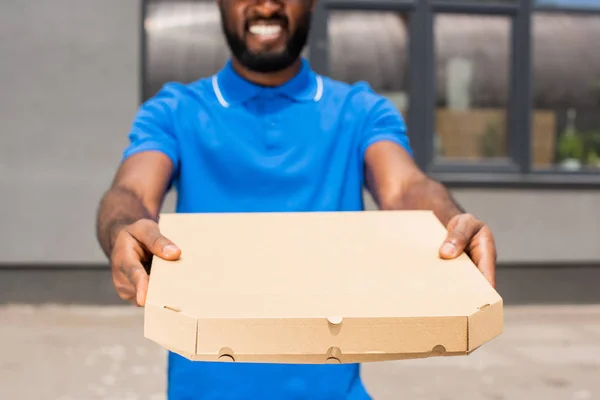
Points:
(468, 234)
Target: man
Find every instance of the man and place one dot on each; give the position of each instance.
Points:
(266, 134)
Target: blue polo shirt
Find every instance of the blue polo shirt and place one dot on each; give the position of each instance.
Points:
(239, 147)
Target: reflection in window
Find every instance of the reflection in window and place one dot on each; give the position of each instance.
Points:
(184, 42)
(373, 47)
(566, 91)
(472, 80)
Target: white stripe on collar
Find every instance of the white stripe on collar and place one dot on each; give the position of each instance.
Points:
(217, 89)
(225, 104)
(319, 93)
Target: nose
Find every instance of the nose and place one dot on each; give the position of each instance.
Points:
(267, 8)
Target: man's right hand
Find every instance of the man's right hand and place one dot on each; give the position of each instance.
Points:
(135, 246)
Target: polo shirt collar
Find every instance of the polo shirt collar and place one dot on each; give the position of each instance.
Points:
(230, 88)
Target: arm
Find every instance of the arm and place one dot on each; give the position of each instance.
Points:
(137, 192)
(397, 183)
(126, 223)
(393, 178)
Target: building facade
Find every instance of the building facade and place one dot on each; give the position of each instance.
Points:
(501, 98)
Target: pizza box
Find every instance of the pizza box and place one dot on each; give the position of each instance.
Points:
(316, 287)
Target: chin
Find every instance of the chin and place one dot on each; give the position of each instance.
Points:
(266, 63)
(261, 57)
(268, 54)
(270, 50)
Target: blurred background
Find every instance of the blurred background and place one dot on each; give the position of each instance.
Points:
(502, 102)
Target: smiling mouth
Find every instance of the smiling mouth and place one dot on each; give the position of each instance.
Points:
(266, 31)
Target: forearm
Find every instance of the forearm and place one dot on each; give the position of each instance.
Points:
(426, 194)
(119, 207)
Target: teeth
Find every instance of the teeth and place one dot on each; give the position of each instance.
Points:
(265, 30)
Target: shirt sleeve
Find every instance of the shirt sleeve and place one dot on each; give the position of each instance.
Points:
(153, 128)
(384, 123)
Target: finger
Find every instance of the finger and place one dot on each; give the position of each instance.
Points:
(460, 232)
(487, 266)
(135, 273)
(486, 260)
(125, 289)
(123, 286)
(142, 290)
(148, 234)
(139, 279)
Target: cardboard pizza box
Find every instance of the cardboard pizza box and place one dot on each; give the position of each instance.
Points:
(323, 287)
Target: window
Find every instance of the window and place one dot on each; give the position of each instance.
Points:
(566, 91)
(371, 46)
(472, 81)
(183, 42)
(501, 91)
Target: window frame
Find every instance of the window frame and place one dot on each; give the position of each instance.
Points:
(514, 162)
(514, 171)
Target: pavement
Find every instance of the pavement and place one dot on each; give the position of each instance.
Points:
(60, 352)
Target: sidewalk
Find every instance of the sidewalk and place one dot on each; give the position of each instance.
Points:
(61, 353)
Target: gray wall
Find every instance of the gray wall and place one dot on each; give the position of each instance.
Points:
(69, 75)
(69, 79)
(538, 226)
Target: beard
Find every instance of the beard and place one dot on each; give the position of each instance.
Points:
(268, 61)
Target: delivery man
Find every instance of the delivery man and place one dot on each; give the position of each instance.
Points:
(266, 133)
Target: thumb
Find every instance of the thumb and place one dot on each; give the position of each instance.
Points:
(450, 249)
(148, 234)
(460, 232)
(164, 248)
